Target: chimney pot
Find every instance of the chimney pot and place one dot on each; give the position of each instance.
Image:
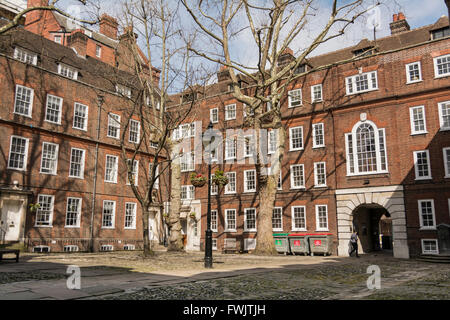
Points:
(399, 24)
(395, 17)
(401, 16)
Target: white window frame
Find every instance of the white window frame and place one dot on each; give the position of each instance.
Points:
(271, 148)
(422, 227)
(313, 96)
(281, 219)
(352, 81)
(25, 56)
(228, 108)
(446, 161)
(429, 252)
(113, 122)
(292, 176)
(211, 115)
(85, 119)
(297, 93)
(314, 134)
(55, 169)
(441, 116)
(316, 182)
(436, 70)
(377, 150)
(214, 244)
(81, 164)
(190, 192)
(214, 187)
(318, 228)
(428, 176)
(134, 215)
(78, 218)
(136, 174)
(408, 72)
(229, 148)
(246, 189)
(115, 169)
(291, 147)
(25, 156)
(59, 110)
(106, 247)
(98, 51)
(123, 90)
(57, 36)
(216, 214)
(226, 220)
(30, 108)
(246, 229)
(71, 248)
(227, 189)
(50, 217)
(136, 132)
(248, 143)
(66, 74)
(187, 162)
(113, 216)
(412, 120)
(293, 218)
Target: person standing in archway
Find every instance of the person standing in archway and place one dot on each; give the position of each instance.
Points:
(354, 243)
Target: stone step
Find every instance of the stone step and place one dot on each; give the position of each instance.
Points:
(444, 258)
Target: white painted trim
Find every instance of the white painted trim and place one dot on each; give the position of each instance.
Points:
(116, 125)
(235, 183)
(60, 109)
(419, 207)
(226, 221)
(314, 135)
(316, 185)
(408, 75)
(113, 218)
(318, 228)
(133, 227)
(372, 86)
(281, 217)
(25, 160)
(226, 112)
(290, 98)
(436, 75)
(82, 163)
(54, 173)
(115, 168)
(29, 115)
(291, 148)
(245, 220)
(211, 113)
(441, 119)
(50, 218)
(428, 176)
(217, 220)
(293, 220)
(411, 119)
(78, 213)
(87, 116)
(434, 240)
(292, 176)
(312, 93)
(446, 161)
(246, 180)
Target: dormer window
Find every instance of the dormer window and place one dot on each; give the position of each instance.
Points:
(363, 52)
(25, 56)
(123, 90)
(98, 51)
(440, 33)
(188, 97)
(301, 69)
(67, 71)
(58, 39)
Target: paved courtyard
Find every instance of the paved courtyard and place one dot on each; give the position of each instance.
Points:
(181, 276)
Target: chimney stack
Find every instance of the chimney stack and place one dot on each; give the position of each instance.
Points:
(78, 41)
(286, 57)
(399, 24)
(223, 74)
(109, 26)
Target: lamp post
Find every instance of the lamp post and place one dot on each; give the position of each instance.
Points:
(208, 233)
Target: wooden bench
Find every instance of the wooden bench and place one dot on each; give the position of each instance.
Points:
(6, 251)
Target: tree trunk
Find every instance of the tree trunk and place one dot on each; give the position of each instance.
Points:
(145, 216)
(267, 193)
(175, 238)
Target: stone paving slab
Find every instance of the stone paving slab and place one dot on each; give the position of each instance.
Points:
(64, 293)
(23, 295)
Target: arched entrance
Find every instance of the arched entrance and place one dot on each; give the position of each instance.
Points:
(385, 201)
(374, 226)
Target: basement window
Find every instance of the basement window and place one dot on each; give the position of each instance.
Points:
(129, 247)
(41, 249)
(430, 246)
(71, 248)
(106, 247)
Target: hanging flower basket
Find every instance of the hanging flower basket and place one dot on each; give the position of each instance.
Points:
(198, 180)
(220, 179)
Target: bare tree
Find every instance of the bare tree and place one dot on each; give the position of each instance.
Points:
(273, 27)
(154, 25)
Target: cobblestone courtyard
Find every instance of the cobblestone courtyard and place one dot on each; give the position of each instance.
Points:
(181, 276)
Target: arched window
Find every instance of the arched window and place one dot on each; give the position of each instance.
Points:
(366, 149)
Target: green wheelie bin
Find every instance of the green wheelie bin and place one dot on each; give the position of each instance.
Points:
(298, 243)
(282, 243)
(320, 243)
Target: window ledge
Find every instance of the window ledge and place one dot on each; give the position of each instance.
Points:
(322, 230)
(43, 226)
(108, 228)
(444, 129)
(427, 229)
(414, 81)
(298, 188)
(361, 92)
(442, 76)
(419, 133)
(367, 174)
(321, 187)
(299, 230)
(423, 178)
(72, 227)
(230, 231)
(319, 147)
(300, 149)
(277, 230)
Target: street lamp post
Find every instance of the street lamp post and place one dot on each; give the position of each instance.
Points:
(208, 233)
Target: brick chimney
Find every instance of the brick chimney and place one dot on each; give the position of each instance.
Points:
(109, 26)
(286, 57)
(35, 19)
(223, 74)
(78, 41)
(399, 24)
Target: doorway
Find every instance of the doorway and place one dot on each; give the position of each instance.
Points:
(374, 226)
(10, 222)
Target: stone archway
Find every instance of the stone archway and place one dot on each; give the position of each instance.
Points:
(390, 198)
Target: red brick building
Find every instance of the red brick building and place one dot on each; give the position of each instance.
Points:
(369, 149)
(63, 108)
